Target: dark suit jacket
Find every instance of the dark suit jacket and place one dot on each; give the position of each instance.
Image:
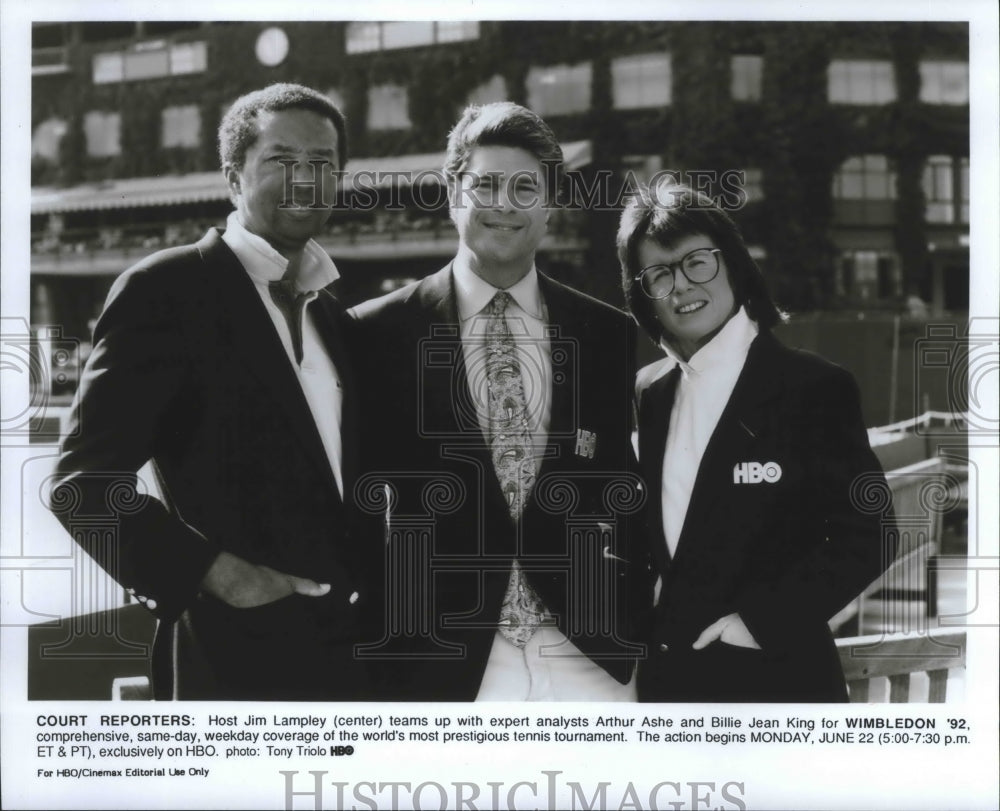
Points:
(188, 371)
(451, 540)
(784, 554)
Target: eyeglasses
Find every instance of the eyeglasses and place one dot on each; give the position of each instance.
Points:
(698, 266)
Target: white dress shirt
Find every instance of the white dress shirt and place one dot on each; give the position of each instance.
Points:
(705, 386)
(549, 667)
(317, 374)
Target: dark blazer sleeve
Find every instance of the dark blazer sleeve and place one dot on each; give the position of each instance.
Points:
(855, 543)
(120, 417)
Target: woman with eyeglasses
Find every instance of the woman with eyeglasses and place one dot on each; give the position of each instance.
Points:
(759, 471)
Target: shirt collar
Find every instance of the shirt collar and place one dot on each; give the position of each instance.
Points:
(473, 292)
(727, 349)
(265, 264)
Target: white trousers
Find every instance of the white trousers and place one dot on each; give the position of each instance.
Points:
(548, 668)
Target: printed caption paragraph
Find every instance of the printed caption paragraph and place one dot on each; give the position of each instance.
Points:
(186, 745)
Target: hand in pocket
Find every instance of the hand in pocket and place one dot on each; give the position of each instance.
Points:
(729, 629)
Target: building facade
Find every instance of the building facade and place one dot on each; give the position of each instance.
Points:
(842, 149)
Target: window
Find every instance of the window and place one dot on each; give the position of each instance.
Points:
(753, 184)
(939, 189)
(943, 175)
(181, 126)
(147, 64)
(150, 60)
(188, 57)
(493, 90)
(407, 35)
(48, 48)
(103, 134)
(109, 67)
(640, 81)
(46, 138)
(865, 275)
(457, 30)
(868, 276)
(963, 184)
(944, 82)
(865, 177)
(388, 107)
(748, 76)
(853, 81)
(559, 89)
(364, 37)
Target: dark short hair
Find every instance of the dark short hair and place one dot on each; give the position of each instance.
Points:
(504, 123)
(238, 129)
(668, 214)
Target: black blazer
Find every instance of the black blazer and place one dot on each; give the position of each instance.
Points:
(451, 540)
(785, 552)
(188, 371)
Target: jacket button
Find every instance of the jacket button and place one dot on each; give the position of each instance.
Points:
(664, 647)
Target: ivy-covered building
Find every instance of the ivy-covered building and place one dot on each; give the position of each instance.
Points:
(843, 147)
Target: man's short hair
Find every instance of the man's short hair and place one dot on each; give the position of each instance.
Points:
(668, 214)
(238, 130)
(504, 123)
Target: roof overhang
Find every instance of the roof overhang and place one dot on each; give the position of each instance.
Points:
(169, 190)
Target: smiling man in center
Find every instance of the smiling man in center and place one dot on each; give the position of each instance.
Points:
(498, 417)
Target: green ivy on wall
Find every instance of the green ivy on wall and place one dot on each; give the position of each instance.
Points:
(793, 134)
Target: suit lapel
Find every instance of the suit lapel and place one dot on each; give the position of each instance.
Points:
(255, 342)
(734, 437)
(442, 377)
(445, 395)
(561, 320)
(330, 321)
(654, 420)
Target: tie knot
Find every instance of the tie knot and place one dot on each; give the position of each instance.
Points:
(498, 305)
(284, 291)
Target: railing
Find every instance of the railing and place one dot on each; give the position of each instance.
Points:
(898, 657)
(922, 421)
(140, 239)
(923, 487)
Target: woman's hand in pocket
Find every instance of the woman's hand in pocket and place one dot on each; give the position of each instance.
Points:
(729, 629)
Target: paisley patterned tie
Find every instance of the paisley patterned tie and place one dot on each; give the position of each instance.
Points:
(513, 460)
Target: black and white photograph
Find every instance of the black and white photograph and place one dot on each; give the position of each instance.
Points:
(489, 406)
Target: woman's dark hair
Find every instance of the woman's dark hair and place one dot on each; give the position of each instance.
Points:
(667, 214)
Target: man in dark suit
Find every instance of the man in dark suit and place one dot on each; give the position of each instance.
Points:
(499, 407)
(223, 364)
